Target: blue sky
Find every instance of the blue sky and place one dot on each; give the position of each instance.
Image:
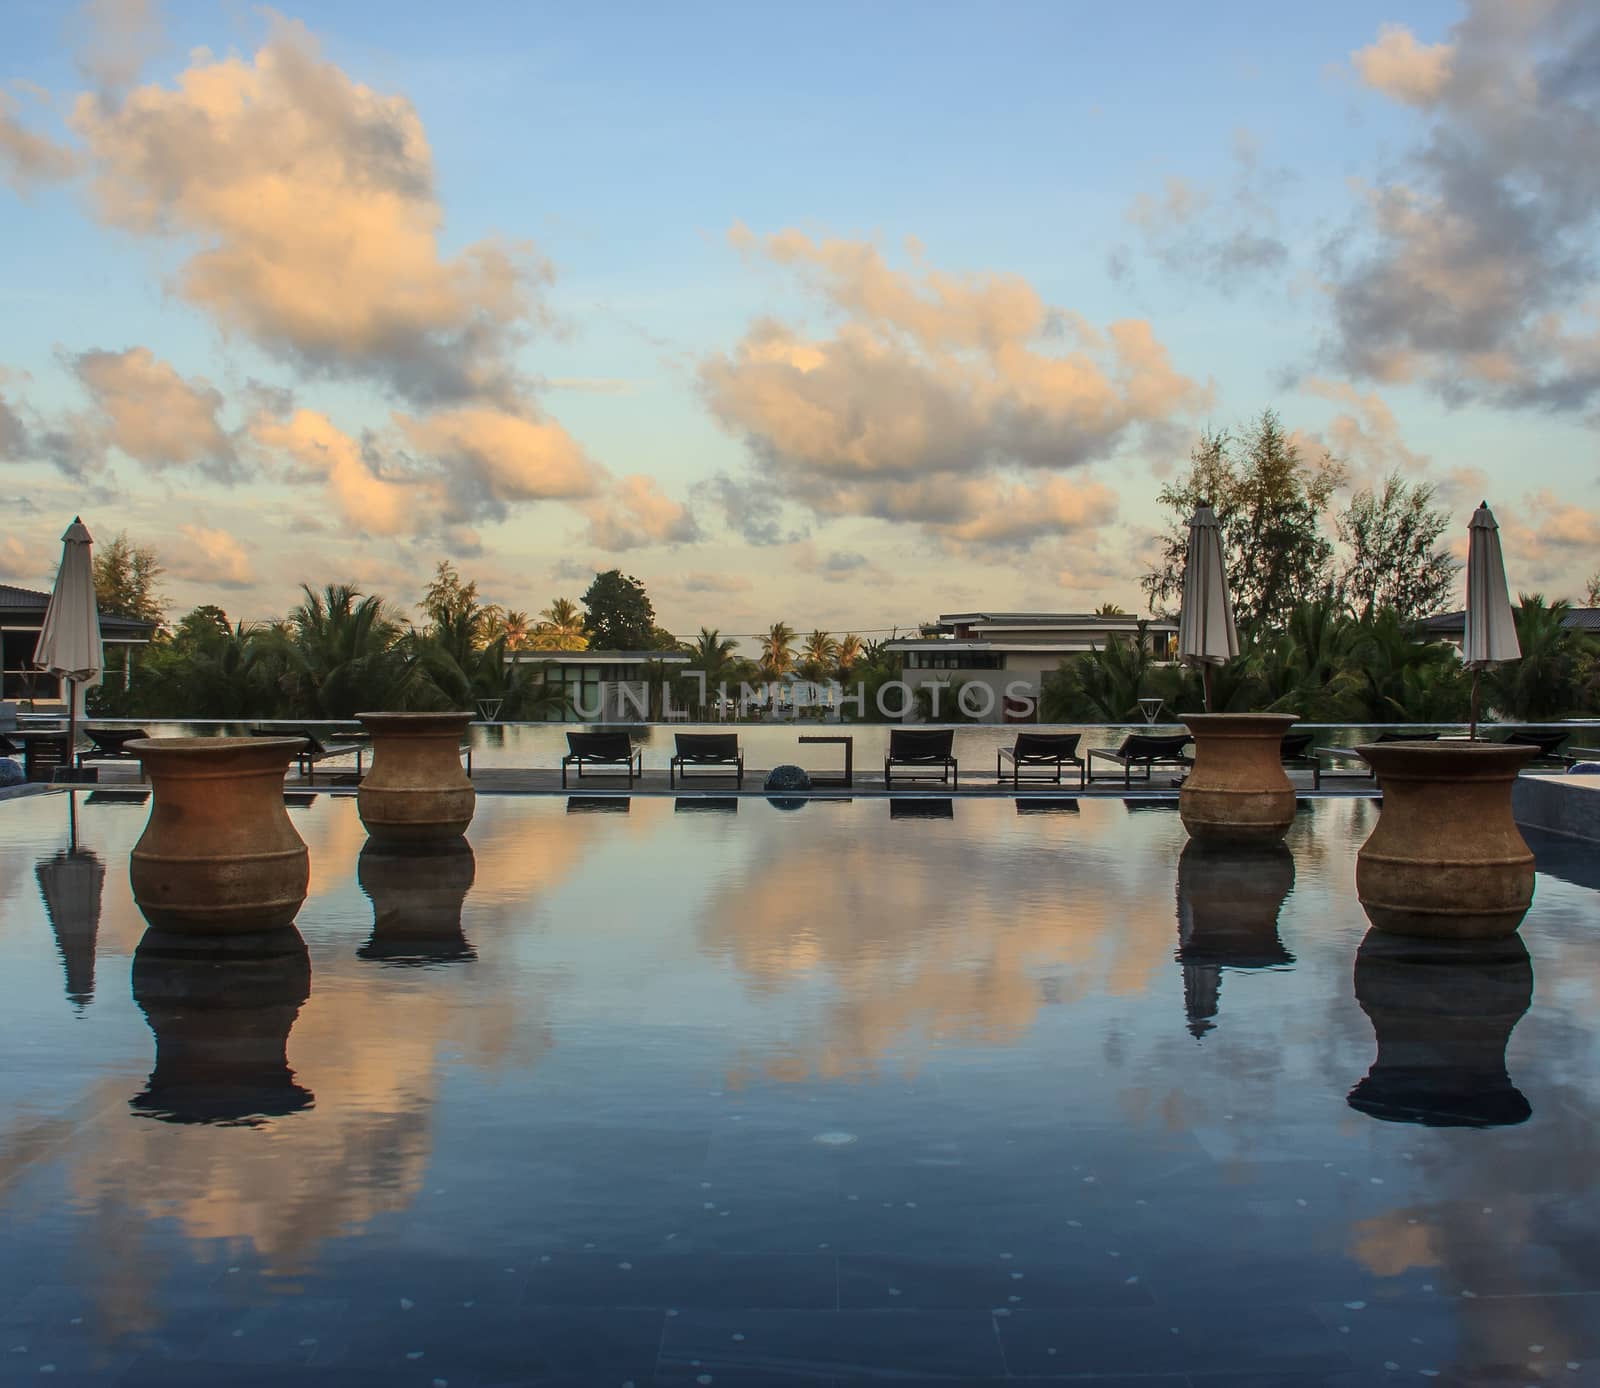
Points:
(1101, 159)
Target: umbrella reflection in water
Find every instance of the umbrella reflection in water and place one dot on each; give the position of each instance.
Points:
(71, 882)
(1229, 900)
(222, 1009)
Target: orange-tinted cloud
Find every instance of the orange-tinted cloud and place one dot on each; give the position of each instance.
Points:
(205, 555)
(311, 197)
(153, 414)
(635, 512)
(933, 381)
(28, 158)
(1400, 67)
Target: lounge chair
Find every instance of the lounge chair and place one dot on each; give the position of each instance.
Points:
(1146, 750)
(1296, 756)
(110, 744)
(717, 754)
(1050, 750)
(1548, 742)
(1348, 756)
(927, 748)
(613, 750)
(313, 749)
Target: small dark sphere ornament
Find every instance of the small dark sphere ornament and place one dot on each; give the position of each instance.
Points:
(787, 778)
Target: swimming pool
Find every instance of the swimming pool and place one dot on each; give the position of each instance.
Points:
(709, 1091)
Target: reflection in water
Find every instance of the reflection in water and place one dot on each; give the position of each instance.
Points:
(71, 884)
(417, 895)
(1046, 804)
(221, 1011)
(922, 808)
(706, 804)
(597, 804)
(1443, 1012)
(1229, 900)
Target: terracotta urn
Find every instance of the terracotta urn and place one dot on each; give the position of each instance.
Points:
(1443, 1012)
(221, 1010)
(1445, 860)
(218, 853)
(417, 892)
(1238, 792)
(416, 790)
(1229, 900)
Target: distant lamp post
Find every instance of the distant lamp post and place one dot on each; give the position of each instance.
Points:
(489, 709)
(1151, 708)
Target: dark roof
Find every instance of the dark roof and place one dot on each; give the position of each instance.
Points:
(1449, 623)
(28, 605)
(1049, 619)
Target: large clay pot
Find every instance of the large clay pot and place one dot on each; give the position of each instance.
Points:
(221, 1009)
(1446, 860)
(1229, 900)
(416, 790)
(219, 853)
(1443, 1011)
(1238, 792)
(417, 893)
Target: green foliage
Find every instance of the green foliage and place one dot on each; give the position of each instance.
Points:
(1104, 685)
(1547, 682)
(777, 651)
(818, 657)
(619, 614)
(1394, 557)
(1403, 680)
(127, 580)
(1270, 504)
(560, 628)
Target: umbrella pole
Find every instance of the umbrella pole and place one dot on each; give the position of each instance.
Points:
(1205, 680)
(72, 727)
(1472, 731)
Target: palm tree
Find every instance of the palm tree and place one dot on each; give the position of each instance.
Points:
(1544, 683)
(1110, 609)
(560, 628)
(1400, 679)
(1105, 683)
(848, 654)
(818, 656)
(713, 656)
(516, 628)
(346, 654)
(1308, 668)
(777, 651)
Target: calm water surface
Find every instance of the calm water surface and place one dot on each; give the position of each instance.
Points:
(717, 1093)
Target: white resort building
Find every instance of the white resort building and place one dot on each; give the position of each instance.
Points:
(1012, 652)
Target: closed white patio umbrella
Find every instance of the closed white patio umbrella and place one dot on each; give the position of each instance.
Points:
(1491, 634)
(69, 642)
(1207, 636)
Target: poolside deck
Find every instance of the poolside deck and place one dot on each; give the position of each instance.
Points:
(509, 780)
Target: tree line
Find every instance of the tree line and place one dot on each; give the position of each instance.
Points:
(1332, 641)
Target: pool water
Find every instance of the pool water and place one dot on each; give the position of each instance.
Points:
(710, 1091)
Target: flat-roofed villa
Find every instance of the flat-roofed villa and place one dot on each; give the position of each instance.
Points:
(1015, 651)
(21, 618)
(601, 686)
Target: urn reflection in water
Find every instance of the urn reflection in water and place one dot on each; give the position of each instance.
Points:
(1229, 901)
(417, 894)
(221, 1010)
(1443, 1011)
